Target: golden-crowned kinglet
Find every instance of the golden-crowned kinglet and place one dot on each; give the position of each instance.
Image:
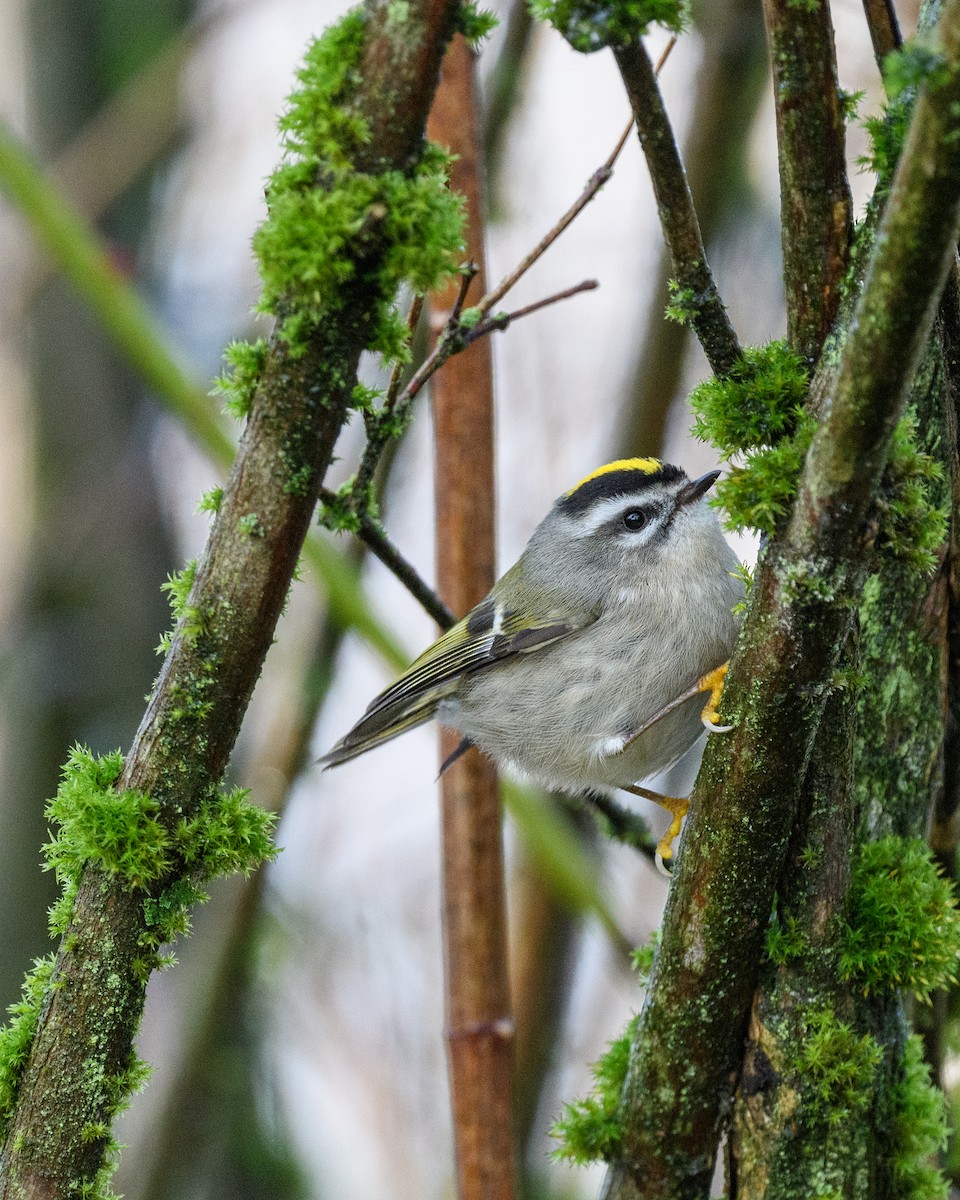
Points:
(569, 670)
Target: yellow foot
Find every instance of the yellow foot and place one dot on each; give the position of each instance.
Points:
(677, 808)
(712, 682)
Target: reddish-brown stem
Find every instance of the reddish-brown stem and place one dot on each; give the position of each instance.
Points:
(479, 1022)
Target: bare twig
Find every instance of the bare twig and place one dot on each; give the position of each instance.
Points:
(500, 321)
(456, 337)
(678, 218)
(600, 176)
(379, 424)
(746, 796)
(373, 536)
(815, 204)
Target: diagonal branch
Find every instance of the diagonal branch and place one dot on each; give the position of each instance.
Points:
(57, 1134)
(815, 203)
(746, 796)
(884, 28)
(681, 230)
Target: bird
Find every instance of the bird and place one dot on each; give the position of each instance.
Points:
(582, 670)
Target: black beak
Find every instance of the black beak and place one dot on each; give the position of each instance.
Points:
(693, 490)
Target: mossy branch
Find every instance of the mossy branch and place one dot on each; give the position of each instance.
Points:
(746, 796)
(681, 230)
(815, 203)
(73, 1079)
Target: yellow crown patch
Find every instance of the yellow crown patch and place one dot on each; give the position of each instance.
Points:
(647, 465)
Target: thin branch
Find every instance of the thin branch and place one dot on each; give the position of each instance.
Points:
(745, 801)
(390, 415)
(623, 824)
(594, 184)
(884, 28)
(816, 209)
(600, 176)
(731, 80)
(678, 218)
(499, 322)
(373, 536)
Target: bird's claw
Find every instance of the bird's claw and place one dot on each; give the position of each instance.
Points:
(712, 682)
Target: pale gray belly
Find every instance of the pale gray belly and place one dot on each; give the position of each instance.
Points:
(549, 713)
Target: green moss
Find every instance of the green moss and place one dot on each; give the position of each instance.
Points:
(904, 71)
(116, 831)
(919, 1129)
(757, 412)
(326, 218)
(902, 927)
(250, 526)
(683, 304)
(590, 1130)
(238, 381)
(16, 1037)
(786, 940)
(228, 835)
(339, 512)
(912, 524)
(759, 403)
(837, 1066)
(211, 500)
(475, 23)
(590, 25)
(187, 619)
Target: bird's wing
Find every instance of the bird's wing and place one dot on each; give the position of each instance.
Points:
(487, 635)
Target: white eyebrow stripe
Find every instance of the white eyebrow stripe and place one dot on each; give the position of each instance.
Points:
(601, 511)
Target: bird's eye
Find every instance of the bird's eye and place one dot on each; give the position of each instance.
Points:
(634, 519)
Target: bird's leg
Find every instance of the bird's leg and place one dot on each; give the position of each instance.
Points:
(713, 682)
(675, 806)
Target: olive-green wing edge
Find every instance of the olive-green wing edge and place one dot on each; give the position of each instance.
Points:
(487, 635)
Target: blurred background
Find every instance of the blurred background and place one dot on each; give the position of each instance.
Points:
(298, 1047)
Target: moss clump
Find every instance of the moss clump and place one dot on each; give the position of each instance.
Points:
(757, 412)
(120, 834)
(837, 1067)
(16, 1037)
(904, 72)
(919, 1129)
(211, 500)
(241, 374)
(186, 618)
(589, 1130)
(902, 927)
(475, 23)
(913, 527)
(116, 831)
(590, 25)
(786, 940)
(683, 304)
(329, 222)
(229, 835)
